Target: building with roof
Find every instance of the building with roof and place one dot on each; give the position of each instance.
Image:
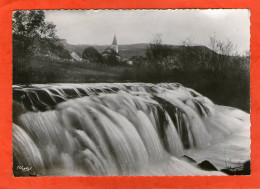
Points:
(114, 44)
(112, 50)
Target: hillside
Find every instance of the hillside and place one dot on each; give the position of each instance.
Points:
(130, 50)
(28, 46)
(124, 50)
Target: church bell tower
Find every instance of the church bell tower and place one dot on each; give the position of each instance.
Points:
(114, 44)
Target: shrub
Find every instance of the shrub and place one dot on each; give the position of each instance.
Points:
(92, 55)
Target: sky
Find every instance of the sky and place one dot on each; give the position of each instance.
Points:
(97, 27)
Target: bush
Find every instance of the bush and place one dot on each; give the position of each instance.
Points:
(111, 57)
(92, 55)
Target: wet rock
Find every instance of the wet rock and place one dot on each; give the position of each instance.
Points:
(206, 165)
(188, 159)
(242, 170)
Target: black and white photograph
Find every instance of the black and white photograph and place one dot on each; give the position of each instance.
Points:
(138, 92)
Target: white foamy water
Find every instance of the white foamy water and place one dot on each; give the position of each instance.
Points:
(125, 129)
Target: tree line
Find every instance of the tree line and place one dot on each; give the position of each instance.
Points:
(218, 72)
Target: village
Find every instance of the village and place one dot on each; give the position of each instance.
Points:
(105, 53)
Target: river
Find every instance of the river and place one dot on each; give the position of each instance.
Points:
(124, 129)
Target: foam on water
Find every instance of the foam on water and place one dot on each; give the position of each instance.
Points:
(124, 129)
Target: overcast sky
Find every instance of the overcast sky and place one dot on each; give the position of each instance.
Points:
(139, 26)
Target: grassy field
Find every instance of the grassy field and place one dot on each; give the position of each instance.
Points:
(44, 70)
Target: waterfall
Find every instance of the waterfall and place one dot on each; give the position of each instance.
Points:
(123, 129)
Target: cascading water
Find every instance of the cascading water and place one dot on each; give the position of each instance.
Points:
(124, 129)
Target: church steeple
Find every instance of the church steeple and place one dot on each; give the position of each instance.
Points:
(114, 44)
(114, 41)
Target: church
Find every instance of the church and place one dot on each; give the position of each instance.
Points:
(112, 49)
(114, 44)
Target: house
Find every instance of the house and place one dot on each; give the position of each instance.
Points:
(75, 56)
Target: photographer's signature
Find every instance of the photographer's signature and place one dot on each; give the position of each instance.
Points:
(23, 169)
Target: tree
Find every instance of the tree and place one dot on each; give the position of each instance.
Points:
(188, 42)
(226, 52)
(31, 33)
(187, 54)
(222, 47)
(111, 57)
(160, 55)
(194, 57)
(29, 27)
(92, 55)
(32, 24)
